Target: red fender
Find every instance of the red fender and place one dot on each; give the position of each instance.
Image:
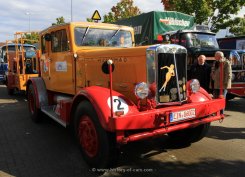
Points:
(40, 91)
(200, 96)
(99, 97)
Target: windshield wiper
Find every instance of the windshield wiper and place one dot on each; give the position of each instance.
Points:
(115, 33)
(86, 32)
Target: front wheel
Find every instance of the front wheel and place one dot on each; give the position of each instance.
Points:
(190, 135)
(97, 146)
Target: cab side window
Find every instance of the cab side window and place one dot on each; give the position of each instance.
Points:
(43, 44)
(59, 42)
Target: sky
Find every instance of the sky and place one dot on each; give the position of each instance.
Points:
(36, 15)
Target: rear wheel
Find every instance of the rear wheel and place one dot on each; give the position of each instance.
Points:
(35, 112)
(190, 135)
(98, 147)
(10, 91)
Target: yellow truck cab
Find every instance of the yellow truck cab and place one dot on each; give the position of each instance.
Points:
(22, 63)
(67, 48)
(111, 93)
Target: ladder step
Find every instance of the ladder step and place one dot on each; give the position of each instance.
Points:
(50, 111)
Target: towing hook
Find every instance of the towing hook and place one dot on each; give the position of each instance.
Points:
(222, 118)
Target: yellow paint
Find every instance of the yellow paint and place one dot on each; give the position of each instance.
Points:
(17, 63)
(130, 63)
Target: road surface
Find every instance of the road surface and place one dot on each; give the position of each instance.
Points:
(47, 149)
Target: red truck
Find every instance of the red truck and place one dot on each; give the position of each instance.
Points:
(113, 93)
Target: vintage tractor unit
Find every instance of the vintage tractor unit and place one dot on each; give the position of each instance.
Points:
(111, 93)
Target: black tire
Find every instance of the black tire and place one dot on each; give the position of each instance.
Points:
(97, 146)
(190, 135)
(35, 113)
(10, 91)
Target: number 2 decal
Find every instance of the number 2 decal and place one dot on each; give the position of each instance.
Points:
(119, 104)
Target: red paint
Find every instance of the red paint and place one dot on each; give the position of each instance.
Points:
(98, 97)
(11, 81)
(32, 81)
(237, 89)
(148, 119)
(88, 137)
(31, 102)
(65, 110)
(164, 130)
(110, 75)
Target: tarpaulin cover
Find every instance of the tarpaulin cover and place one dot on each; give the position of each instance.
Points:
(148, 26)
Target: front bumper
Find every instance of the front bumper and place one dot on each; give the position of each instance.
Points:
(157, 122)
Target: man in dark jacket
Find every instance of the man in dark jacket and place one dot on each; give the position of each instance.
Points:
(201, 71)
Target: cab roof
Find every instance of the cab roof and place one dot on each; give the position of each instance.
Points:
(90, 24)
(190, 31)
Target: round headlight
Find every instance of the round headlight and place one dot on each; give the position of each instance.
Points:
(195, 85)
(141, 90)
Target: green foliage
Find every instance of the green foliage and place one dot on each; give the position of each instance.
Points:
(123, 9)
(31, 38)
(237, 26)
(216, 12)
(200, 9)
(59, 20)
(89, 20)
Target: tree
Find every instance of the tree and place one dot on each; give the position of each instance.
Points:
(89, 19)
(124, 9)
(214, 12)
(59, 20)
(30, 38)
(236, 26)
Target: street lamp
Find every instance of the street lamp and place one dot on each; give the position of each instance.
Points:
(29, 14)
(71, 10)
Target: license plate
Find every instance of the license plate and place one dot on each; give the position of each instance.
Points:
(182, 115)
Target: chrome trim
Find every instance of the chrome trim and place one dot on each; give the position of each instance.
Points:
(171, 48)
(154, 51)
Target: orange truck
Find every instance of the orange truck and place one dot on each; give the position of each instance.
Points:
(111, 93)
(22, 63)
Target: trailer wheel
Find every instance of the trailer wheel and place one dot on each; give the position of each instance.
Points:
(98, 146)
(190, 135)
(35, 112)
(10, 91)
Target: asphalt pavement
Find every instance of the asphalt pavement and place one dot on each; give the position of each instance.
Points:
(49, 150)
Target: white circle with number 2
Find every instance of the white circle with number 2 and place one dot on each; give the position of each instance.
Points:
(118, 104)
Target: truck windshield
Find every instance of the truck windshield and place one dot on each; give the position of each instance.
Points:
(199, 40)
(12, 48)
(237, 59)
(102, 37)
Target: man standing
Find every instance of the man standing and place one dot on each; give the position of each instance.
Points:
(224, 66)
(201, 71)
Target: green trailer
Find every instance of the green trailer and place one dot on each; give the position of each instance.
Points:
(149, 27)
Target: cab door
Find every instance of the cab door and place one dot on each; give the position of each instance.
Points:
(61, 62)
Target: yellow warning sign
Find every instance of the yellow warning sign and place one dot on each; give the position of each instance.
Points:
(96, 15)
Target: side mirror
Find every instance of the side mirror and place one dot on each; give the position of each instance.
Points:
(47, 37)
